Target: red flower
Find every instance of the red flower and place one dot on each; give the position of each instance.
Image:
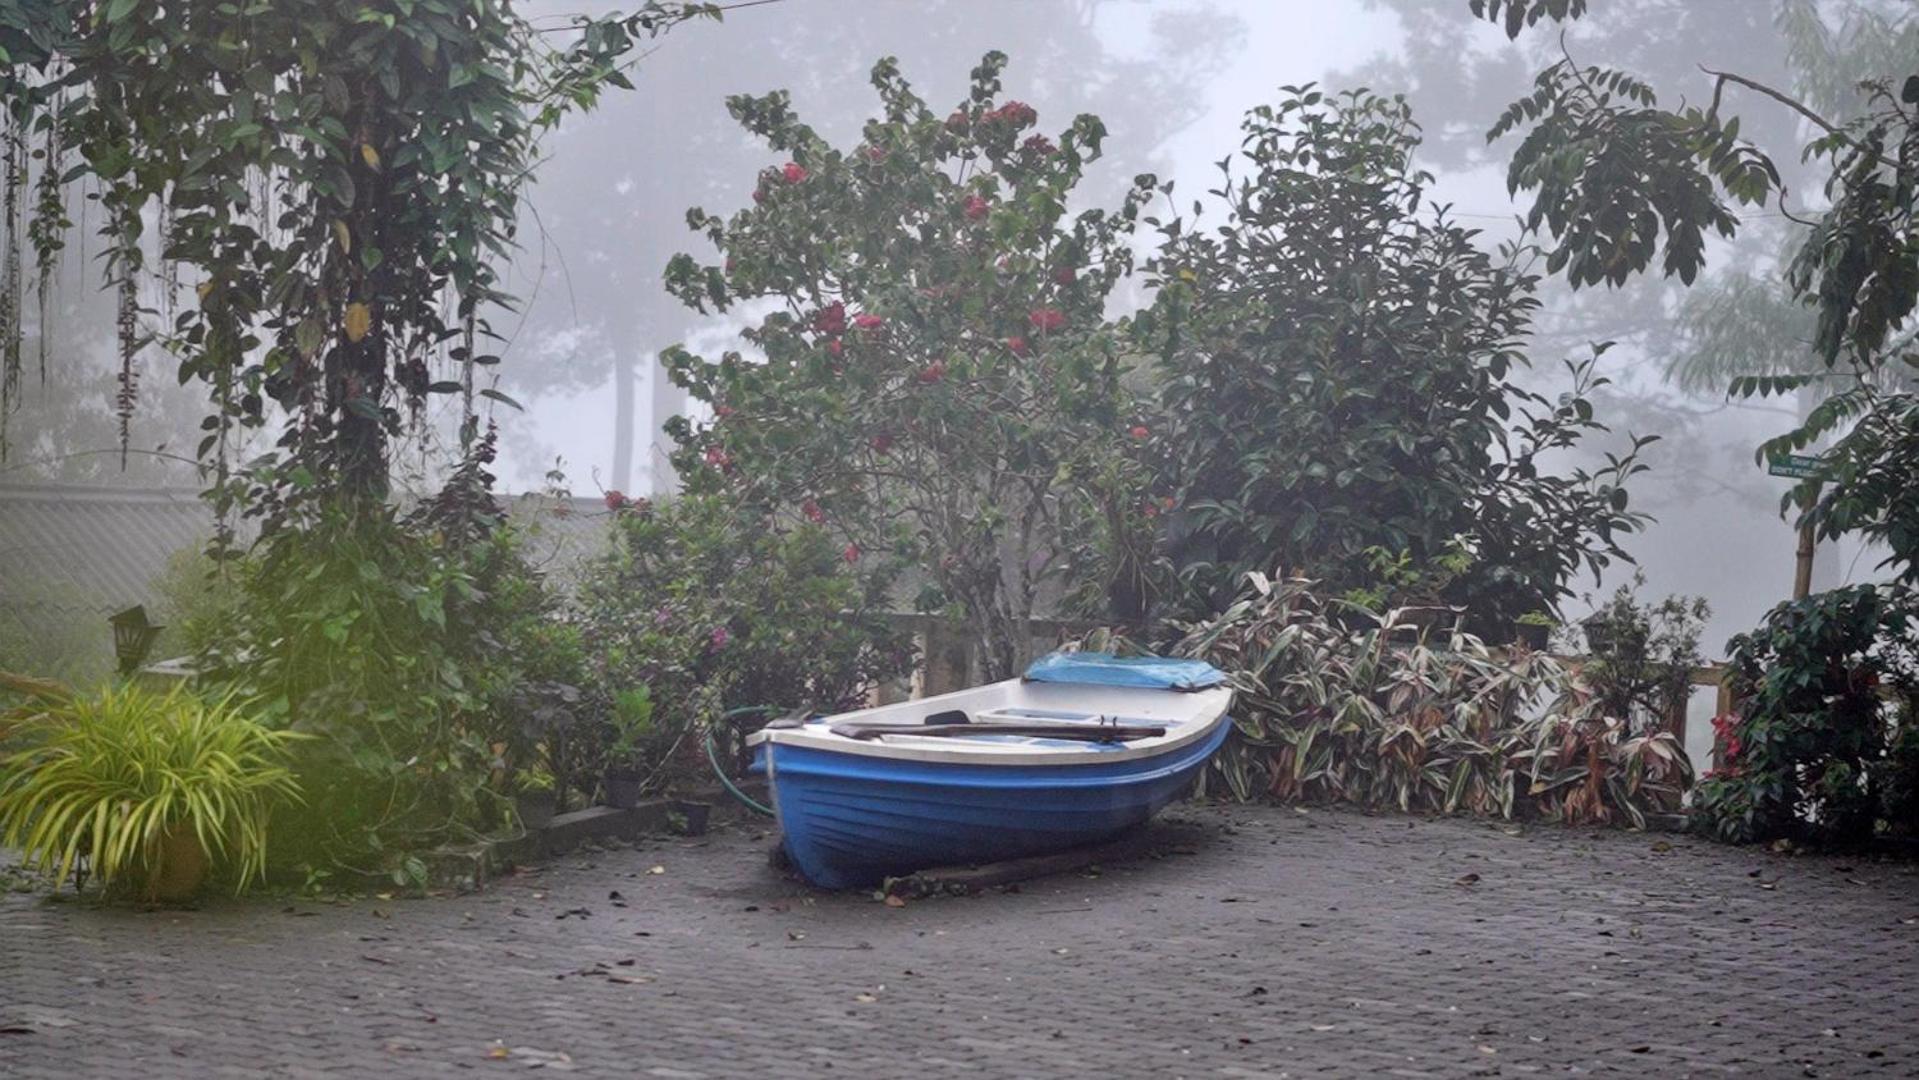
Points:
(868, 322)
(875, 153)
(720, 637)
(718, 456)
(1017, 113)
(812, 511)
(835, 347)
(933, 372)
(794, 172)
(852, 553)
(1017, 345)
(724, 411)
(1138, 431)
(976, 208)
(1165, 502)
(759, 195)
(831, 319)
(1065, 275)
(615, 499)
(1039, 145)
(1046, 319)
(881, 443)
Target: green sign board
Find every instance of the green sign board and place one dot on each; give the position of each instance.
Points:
(1797, 466)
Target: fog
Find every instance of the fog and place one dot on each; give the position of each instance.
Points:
(1171, 79)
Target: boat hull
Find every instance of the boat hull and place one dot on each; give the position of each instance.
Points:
(851, 820)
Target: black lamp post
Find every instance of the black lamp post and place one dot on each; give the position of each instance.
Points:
(133, 637)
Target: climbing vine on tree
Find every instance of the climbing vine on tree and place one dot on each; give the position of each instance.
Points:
(935, 377)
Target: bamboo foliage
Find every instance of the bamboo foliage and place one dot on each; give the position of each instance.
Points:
(107, 777)
(1339, 704)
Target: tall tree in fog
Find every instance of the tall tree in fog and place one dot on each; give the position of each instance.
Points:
(614, 206)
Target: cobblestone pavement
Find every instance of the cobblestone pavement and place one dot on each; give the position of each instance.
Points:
(1260, 942)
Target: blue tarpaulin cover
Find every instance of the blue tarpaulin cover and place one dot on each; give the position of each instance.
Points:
(1105, 669)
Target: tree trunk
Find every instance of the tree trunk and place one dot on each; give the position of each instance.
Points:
(624, 382)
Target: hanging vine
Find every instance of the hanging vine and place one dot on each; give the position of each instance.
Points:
(13, 149)
(323, 174)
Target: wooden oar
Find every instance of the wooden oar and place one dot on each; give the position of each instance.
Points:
(1082, 732)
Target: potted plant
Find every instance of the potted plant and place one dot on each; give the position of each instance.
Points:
(688, 816)
(1534, 630)
(630, 729)
(152, 790)
(535, 797)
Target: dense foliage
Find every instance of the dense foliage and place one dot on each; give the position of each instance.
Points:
(1386, 717)
(1822, 744)
(1342, 375)
(107, 778)
(703, 606)
(936, 378)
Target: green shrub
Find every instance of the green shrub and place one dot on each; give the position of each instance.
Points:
(107, 776)
(1338, 704)
(400, 642)
(1343, 372)
(709, 608)
(1822, 747)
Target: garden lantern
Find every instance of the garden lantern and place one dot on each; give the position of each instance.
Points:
(133, 637)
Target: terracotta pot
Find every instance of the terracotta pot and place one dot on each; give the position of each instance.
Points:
(180, 866)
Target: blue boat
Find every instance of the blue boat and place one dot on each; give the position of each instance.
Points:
(1082, 748)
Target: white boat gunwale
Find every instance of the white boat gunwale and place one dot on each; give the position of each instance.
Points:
(1197, 715)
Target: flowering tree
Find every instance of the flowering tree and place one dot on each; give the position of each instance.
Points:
(936, 380)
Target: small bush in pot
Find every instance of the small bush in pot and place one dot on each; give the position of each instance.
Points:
(151, 790)
(629, 732)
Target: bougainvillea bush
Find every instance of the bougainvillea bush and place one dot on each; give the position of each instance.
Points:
(705, 606)
(1821, 746)
(1362, 707)
(931, 376)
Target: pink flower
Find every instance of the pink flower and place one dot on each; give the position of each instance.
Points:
(724, 411)
(835, 347)
(831, 319)
(812, 511)
(976, 208)
(794, 172)
(881, 443)
(615, 500)
(868, 322)
(1138, 431)
(852, 553)
(956, 121)
(720, 637)
(1039, 145)
(1065, 275)
(718, 457)
(1017, 345)
(875, 153)
(1046, 319)
(933, 372)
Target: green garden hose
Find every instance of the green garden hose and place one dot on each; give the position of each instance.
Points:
(713, 758)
